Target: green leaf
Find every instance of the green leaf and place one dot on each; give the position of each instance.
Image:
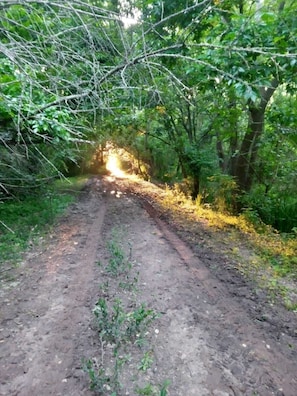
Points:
(268, 17)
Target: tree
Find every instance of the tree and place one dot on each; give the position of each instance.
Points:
(272, 31)
(62, 67)
(243, 49)
(213, 67)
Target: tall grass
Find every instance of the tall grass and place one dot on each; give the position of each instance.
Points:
(278, 209)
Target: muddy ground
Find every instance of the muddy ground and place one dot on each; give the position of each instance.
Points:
(217, 334)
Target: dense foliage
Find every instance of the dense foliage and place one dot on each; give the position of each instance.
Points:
(203, 93)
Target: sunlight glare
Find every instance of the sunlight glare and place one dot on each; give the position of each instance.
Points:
(133, 17)
(113, 166)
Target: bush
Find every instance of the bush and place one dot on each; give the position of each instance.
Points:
(278, 209)
(222, 193)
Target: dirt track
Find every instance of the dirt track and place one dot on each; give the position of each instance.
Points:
(208, 340)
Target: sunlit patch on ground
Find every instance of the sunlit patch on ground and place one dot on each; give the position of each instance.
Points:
(118, 194)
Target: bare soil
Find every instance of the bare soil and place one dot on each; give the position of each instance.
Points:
(217, 333)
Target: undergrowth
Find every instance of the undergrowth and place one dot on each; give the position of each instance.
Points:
(24, 221)
(279, 249)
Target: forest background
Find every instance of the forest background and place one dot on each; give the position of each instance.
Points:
(199, 93)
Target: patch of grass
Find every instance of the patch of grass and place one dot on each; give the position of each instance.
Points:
(290, 305)
(23, 221)
(71, 184)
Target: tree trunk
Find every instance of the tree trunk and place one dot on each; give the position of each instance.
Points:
(243, 166)
(196, 187)
(245, 161)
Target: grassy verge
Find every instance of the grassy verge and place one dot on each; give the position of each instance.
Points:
(23, 221)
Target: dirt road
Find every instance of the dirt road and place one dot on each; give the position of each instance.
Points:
(207, 341)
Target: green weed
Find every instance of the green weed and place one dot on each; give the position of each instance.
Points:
(164, 388)
(117, 326)
(147, 390)
(105, 380)
(139, 320)
(146, 362)
(152, 390)
(104, 287)
(129, 282)
(118, 264)
(290, 305)
(98, 378)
